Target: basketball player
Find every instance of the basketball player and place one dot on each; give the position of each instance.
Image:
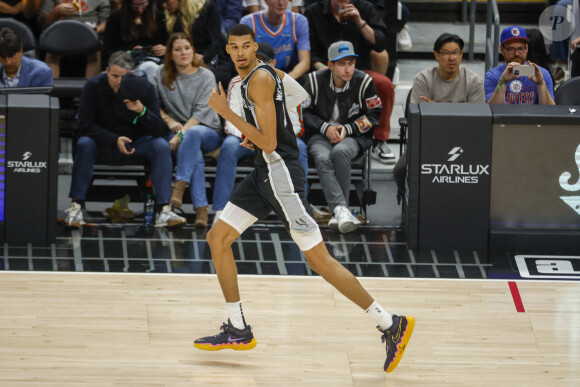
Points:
(276, 184)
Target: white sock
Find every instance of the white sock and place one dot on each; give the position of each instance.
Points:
(381, 316)
(236, 315)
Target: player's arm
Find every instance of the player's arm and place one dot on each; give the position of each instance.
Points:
(261, 91)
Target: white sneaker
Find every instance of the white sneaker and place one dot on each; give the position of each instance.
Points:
(333, 223)
(168, 218)
(404, 42)
(74, 215)
(216, 217)
(347, 222)
(383, 153)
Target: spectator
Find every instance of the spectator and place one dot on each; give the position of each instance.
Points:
(231, 151)
(230, 12)
(137, 28)
(252, 6)
(119, 122)
(184, 88)
(286, 32)
(201, 22)
(447, 82)
(502, 86)
(575, 70)
(92, 12)
(359, 23)
(340, 119)
(17, 70)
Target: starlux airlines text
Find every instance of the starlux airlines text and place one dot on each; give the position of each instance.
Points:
(454, 173)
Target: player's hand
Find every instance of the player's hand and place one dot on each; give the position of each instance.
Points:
(121, 145)
(218, 101)
(246, 143)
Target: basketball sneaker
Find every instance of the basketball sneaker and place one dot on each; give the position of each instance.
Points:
(397, 338)
(229, 337)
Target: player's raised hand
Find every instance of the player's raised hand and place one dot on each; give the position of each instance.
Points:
(217, 100)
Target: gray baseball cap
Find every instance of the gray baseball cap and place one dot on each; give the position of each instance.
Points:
(339, 50)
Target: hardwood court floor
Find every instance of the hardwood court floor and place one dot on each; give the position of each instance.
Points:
(101, 329)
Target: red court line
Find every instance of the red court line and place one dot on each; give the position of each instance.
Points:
(516, 296)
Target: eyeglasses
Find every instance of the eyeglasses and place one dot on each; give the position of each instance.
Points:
(138, 6)
(511, 50)
(447, 54)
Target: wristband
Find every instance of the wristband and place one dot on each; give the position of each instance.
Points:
(140, 115)
(499, 85)
(180, 135)
(363, 26)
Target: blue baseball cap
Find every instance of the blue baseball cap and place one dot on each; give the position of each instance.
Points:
(339, 50)
(513, 32)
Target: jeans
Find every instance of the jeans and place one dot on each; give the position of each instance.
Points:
(197, 140)
(333, 162)
(155, 150)
(230, 153)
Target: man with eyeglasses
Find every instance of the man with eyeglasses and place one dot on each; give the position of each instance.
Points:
(448, 81)
(503, 86)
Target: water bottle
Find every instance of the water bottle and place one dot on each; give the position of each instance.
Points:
(149, 211)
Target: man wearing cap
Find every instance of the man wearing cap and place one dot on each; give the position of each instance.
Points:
(343, 111)
(119, 122)
(231, 151)
(287, 32)
(503, 86)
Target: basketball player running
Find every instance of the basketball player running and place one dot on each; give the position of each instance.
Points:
(277, 183)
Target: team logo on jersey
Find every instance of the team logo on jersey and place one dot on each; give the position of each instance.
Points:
(516, 86)
(373, 102)
(363, 123)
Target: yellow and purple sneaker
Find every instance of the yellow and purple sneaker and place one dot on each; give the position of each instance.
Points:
(229, 338)
(397, 338)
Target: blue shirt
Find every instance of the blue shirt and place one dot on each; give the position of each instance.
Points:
(520, 91)
(286, 39)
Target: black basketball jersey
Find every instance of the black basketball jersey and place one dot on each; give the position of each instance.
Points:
(286, 140)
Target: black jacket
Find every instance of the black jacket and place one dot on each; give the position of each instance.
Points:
(358, 102)
(104, 117)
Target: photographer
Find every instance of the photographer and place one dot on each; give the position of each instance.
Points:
(518, 81)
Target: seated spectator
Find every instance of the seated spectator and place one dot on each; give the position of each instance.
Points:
(344, 109)
(119, 122)
(200, 20)
(137, 28)
(92, 12)
(286, 32)
(502, 86)
(231, 151)
(252, 6)
(447, 82)
(359, 23)
(17, 70)
(184, 88)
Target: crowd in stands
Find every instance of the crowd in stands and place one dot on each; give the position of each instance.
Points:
(173, 52)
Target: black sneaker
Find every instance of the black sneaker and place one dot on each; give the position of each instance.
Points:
(229, 337)
(397, 338)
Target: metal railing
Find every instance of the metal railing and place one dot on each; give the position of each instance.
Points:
(491, 41)
(491, 48)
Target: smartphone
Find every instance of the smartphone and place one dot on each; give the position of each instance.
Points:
(128, 146)
(524, 70)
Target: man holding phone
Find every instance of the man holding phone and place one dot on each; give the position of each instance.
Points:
(517, 81)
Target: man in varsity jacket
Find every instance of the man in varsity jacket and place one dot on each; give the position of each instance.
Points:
(343, 110)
